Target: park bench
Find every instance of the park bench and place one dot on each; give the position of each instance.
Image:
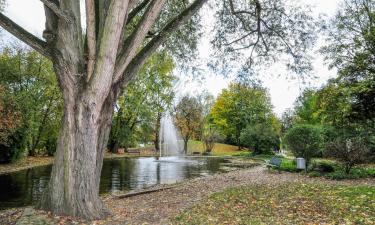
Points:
(274, 162)
(196, 153)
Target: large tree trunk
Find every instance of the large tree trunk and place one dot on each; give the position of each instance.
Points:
(74, 186)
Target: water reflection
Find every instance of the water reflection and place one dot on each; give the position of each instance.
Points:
(25, 187)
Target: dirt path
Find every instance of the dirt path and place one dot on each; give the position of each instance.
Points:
(158, 207)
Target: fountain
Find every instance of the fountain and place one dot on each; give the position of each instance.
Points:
(171, 144)
(170, 141)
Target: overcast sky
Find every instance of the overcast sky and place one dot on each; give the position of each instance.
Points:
(283, 91)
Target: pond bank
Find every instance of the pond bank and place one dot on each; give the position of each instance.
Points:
(30, 161)
(163, 206)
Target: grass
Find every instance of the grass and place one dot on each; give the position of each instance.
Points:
(25, 163)
(318, 168)
(325, 168)
(285, 204)
(219, 149)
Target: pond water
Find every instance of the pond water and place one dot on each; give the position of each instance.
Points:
(25, 187)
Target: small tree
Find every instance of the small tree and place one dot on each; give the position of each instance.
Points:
(188, 116)
(304, 141)
(261, 138)
(209, 137)
(349, 151)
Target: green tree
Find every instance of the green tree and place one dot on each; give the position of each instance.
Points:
(140, 108)
(237, 107)
(304, 141)
(29, 82)
(261, 138)
(351, 49)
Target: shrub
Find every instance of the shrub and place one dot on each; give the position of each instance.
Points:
(323, 167)
(304, 141)
(349, 152)
(261, 138)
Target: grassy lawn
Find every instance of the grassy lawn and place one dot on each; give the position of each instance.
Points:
(219, 149)
(285, 204)
(319, 167)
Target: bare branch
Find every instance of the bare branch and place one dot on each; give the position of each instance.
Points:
(91, 37)
(135, 40)
(282, 38)
(55, 8)
(240, 38)
(22, 34)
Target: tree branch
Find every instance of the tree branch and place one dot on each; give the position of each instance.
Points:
(22, 34)
(135, 40)
(55, 8)
(91, 37)
(136, 10)
(138, 61)
(101, 80)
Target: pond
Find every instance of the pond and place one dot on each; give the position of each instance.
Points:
(123, 174)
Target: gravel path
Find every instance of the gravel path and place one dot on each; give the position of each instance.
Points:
(158, 207)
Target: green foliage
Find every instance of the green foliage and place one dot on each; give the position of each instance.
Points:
(140, 108)
(29, 83)
(355, 173)
(270, 204)
(347, 102)
(323, 166)
(304, 141)
(289, 165)
(261, 138)
(240, 106)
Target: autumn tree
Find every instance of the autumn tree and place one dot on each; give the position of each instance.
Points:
(188, 118)
(9, 121)
(93, 65)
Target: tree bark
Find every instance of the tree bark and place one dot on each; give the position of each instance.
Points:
(74, 186)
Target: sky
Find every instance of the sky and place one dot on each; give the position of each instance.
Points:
(283, 90)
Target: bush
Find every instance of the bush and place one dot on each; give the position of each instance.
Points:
(323, 167)
(349, 152)
(355, 173)
(304, 141)
(261, 138)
